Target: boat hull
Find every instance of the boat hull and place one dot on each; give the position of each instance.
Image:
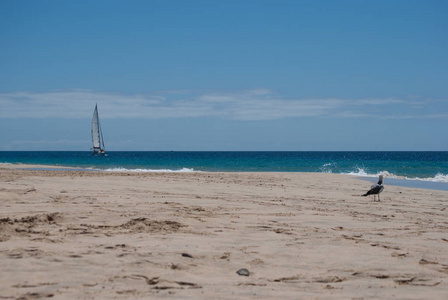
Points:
(98, 151)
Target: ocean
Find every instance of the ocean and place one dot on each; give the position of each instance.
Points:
(420, 166)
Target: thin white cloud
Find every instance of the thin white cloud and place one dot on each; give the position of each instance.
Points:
(255, 104)
(44, 144)
(354, 114)
(379, 101)
(49, 142)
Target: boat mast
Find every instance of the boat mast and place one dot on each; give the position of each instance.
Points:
(101, 134)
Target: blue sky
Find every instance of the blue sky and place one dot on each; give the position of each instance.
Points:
(225, 75)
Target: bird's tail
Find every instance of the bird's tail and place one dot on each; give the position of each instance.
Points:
(366, 194)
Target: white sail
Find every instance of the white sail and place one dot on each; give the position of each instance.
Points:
(97, 135)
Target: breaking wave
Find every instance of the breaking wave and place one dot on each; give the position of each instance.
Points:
(362, 173)
(326, 168)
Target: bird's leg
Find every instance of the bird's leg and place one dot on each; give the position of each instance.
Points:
(378, 197)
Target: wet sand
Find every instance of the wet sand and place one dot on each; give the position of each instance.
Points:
(98, 235)
(420, 184)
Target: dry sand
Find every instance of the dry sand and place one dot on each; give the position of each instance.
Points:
(98, 235)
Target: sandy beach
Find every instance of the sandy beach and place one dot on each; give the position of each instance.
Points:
(109, 235)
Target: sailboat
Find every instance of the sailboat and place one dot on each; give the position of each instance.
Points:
(97, 134)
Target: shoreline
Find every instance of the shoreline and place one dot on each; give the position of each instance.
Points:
(402, 182)
(410, 183)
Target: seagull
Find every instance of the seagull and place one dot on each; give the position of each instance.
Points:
(376, 189)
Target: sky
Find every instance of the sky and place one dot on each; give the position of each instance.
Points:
(278, 75)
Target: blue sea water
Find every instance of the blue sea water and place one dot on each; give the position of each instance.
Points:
(422, 166)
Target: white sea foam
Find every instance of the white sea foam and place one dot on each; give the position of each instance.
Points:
(438, 178)
(362, 173)
(326, 168)
(183, 170)
(10, 164)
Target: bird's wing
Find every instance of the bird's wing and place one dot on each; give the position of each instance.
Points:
(376, 189)
(373, 189)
